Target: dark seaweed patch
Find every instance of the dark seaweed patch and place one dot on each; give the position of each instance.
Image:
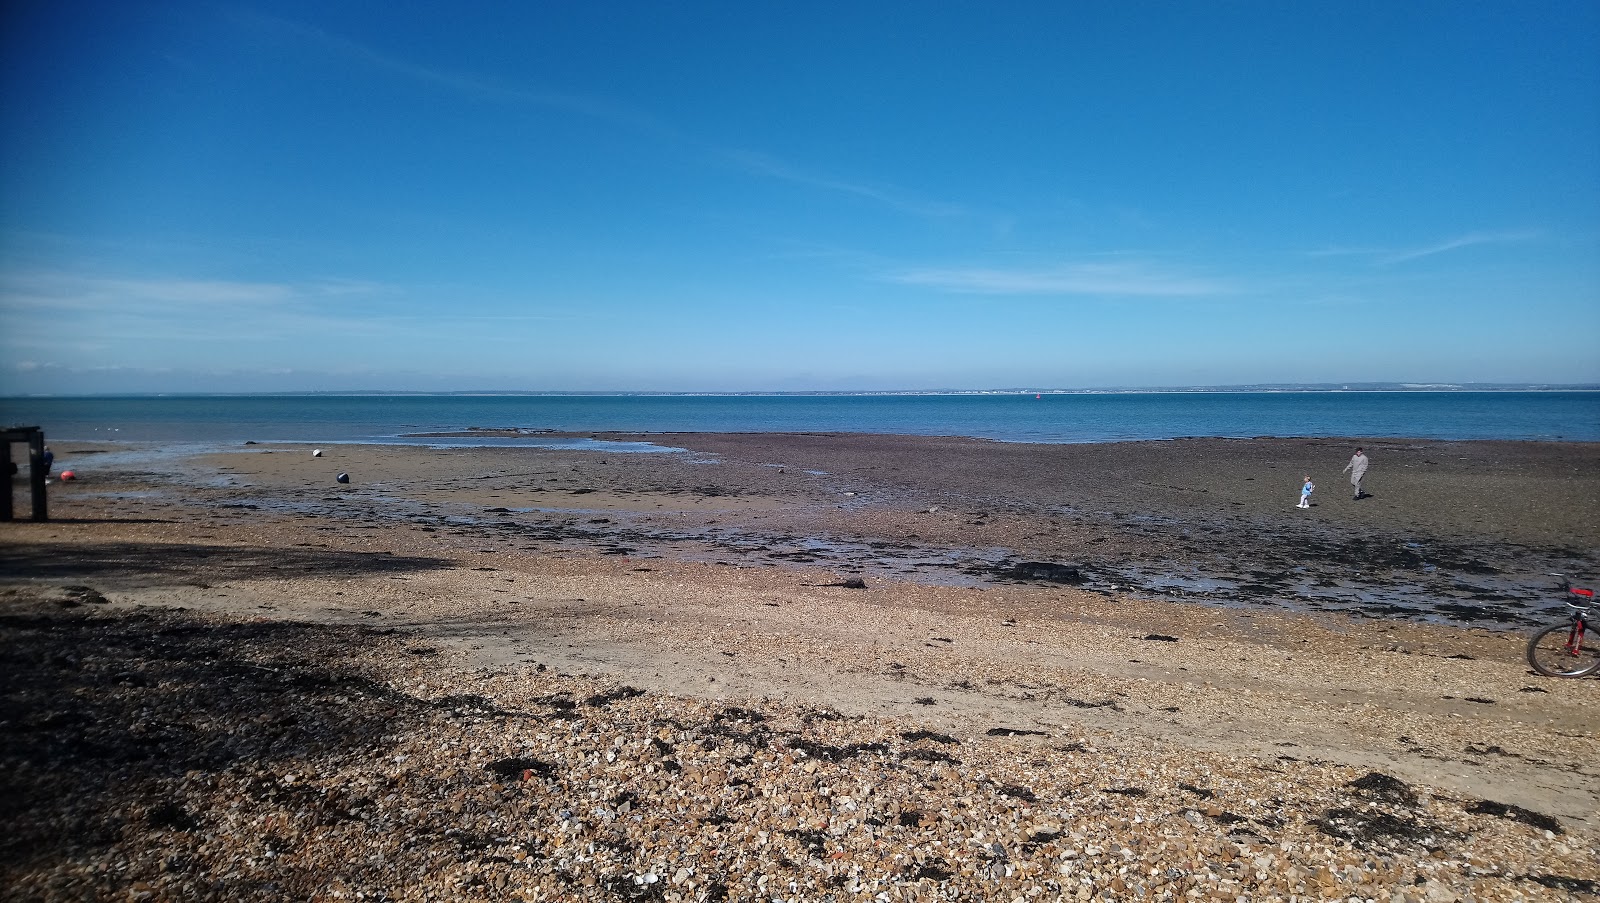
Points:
(914, 736)
(601, 699)
(1516, 813)
(933, 870)
(1368, 828)
(1378, 786)
(923, 754)
(1016, 792)
(515, 767)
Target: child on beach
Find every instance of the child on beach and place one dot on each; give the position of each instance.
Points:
(1305, 493)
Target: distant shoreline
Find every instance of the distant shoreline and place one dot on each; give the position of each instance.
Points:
(1021, 417)
(1262, 389)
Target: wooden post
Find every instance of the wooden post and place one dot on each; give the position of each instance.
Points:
(41, 510)
(7, 505)
(35, 439)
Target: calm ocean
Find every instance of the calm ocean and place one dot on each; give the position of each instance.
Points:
(1012, 418)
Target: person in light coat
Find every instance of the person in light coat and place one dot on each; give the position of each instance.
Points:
(1357, 468)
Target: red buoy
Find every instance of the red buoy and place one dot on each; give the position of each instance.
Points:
(68, 475)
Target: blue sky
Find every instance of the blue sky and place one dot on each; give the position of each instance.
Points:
(748, 196)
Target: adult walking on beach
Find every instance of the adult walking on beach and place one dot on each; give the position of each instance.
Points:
(1357, 468)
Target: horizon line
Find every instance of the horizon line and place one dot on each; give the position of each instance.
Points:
(1237, 388)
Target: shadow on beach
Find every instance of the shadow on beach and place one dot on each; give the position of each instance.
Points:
(131, 559)
(108, 723)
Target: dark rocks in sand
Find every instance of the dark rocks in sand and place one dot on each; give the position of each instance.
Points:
(1161, 637)
(170, 816)
(342, 478)
(1045, 571)
(517, 767)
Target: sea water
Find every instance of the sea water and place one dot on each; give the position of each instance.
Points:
(1573, 416)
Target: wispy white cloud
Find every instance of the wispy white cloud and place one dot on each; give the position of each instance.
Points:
(479, 87)
(1463, 241)
(1123, 279)
(898, 198)
(51, 312)
(85, 293)
(1391, 256)
(472, 86)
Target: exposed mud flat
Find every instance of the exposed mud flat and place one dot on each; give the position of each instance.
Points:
(1453, 532)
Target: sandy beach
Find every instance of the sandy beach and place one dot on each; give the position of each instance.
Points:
(800, 667)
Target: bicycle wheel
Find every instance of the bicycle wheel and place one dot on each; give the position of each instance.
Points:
(1552, 654)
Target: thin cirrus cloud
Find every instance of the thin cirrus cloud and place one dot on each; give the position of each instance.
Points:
(1391, 256)
(466, 84)
(1463, 241)
(479, 87)
(899, 199)
(1107, 280)
(54, 291)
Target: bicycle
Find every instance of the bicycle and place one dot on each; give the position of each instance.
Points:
(1571, 649)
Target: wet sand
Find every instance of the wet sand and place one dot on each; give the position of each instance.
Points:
(1453, 532)
(1014, 603)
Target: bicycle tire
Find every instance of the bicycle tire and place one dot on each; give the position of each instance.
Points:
(1548, 653)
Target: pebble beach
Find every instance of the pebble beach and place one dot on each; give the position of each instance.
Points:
(799, 667)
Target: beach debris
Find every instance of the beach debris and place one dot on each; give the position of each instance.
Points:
(316, 453)
(68, 476)
(342, 478)
(1161, 637)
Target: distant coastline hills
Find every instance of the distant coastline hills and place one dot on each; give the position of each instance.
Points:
(1113, 390)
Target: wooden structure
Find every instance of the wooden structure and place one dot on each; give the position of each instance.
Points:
(34, 437)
